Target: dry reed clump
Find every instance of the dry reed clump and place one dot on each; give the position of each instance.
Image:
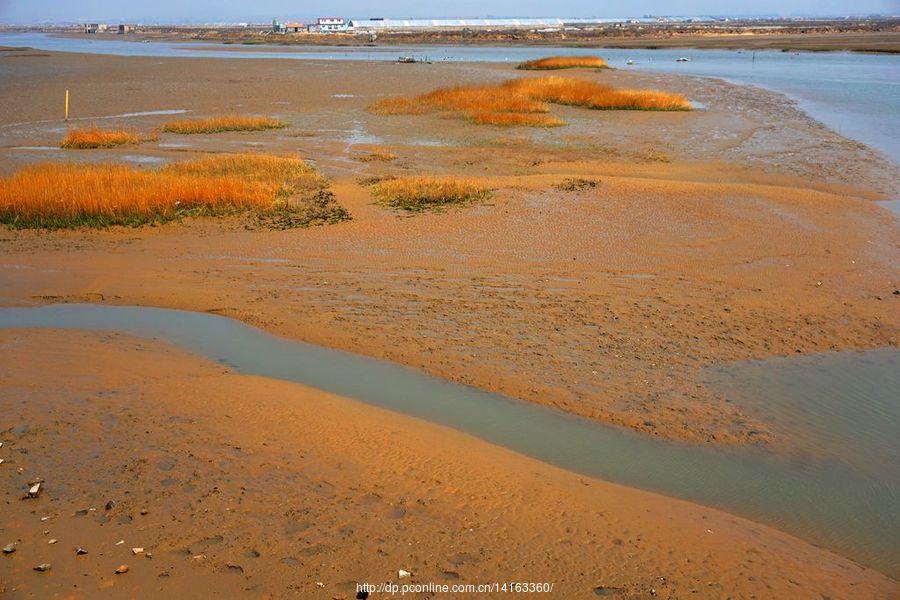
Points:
(416, 194)
(502, 119)
(94, 137)
(65, 195)
(222, 124)
(551, 63)
(379, 155)
(587, 94)
(526, 101)
(465, 99)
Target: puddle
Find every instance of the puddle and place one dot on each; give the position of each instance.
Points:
(847, 506)
(842, 406)
(143, 159)
(892, 205)
(148, 113)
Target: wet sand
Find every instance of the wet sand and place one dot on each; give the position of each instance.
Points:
(743, 230)
(234, 483)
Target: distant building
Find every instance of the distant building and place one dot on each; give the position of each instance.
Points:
(288, 27)
(331, 25)
(125, 29)
(95, 27)
(381, 24)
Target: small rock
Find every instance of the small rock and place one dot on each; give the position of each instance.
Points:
(120, 542)
(79, 551)
(9, 548)
(45, 518)
(137, 550)
(110, 504)
(234, 567)
(122, 569)
(53, 541)
(42, 567)
(402, 574)
(362, 595)
(34, 490)
(144, 511)
(320, 584)
(149, 555)
(1, 461)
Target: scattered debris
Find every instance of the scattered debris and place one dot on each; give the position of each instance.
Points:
(122, 569)
(42, 567)
(9, 548)
(401, 573)
(79, 551)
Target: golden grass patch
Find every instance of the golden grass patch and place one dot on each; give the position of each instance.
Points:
(416, 194)
(94, 137)
(551, 63)
(525, 101)
(502, 119)
(222, 124)
(587, 94)
(58, 195)
(378, 155)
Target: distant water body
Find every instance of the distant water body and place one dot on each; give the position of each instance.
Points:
(857, 95)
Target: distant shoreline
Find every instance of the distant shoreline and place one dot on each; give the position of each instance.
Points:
(881, 39)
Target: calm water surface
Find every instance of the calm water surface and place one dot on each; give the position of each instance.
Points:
(846, 501)
(857, 95)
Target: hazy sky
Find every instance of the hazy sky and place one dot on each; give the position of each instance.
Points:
(29, 11)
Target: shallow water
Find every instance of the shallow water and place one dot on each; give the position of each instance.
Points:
(850, 507)
(855, 94)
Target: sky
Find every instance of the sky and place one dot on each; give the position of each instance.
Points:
(208, 11)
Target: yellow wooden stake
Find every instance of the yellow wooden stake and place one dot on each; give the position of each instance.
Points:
(67, 105)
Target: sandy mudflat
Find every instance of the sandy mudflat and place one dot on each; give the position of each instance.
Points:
(743, 230)
(739, 231)
(240, 484)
